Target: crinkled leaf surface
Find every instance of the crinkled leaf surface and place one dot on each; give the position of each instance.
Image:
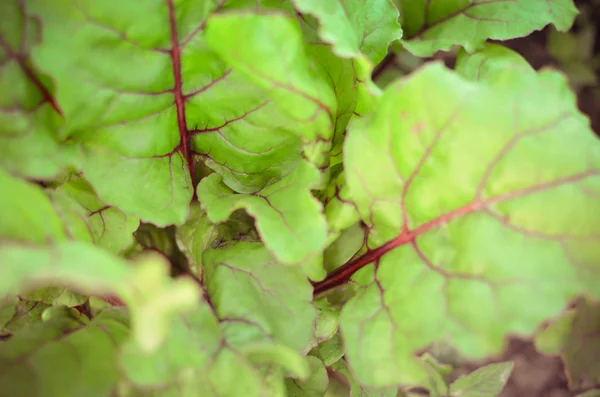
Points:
(288, 217)
(430, 26)
(269, 51)
(29, 116)
(107, 226)
(258, 298)
(487, 381)
(477, 199)
(60, 358)
(582, 347)
(24, 315)
(355, 27)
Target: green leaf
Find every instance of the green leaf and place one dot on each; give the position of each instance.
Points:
(108, 226)
(582, 347)
(29, 115)
(431, 26)
(329, 351)
(194, 360)
(61, 358)
(590, 393)
(477, 198)
(173, 361)
(355, 27)
(358, 390)
(135, 133)
(288, 217)
(27, 212)
(24, 315)
(439, 376)
(552, 338)
(198, 234)
(8, 306)
(314, 386)
(257, 298)
(269, 51)
(493, 64)
(55, 296)
(340, 210)
(487, 381)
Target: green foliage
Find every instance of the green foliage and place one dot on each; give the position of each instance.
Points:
(213, 198)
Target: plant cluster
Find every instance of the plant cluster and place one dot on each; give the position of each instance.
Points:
(214, 198)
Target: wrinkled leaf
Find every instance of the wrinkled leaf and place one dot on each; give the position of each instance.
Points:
(288, 217)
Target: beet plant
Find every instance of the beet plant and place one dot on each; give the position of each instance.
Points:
(215, 198)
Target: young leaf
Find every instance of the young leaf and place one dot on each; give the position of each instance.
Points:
(314, 386)
(477, 199)
(492, 64)
(487, 381)
(55, 296)
(431, 26)
(198, 234)
(253, 293)
(27, 212)
(24, 315)
(288, 217)
(358, 390)
(61, 358)
(355, 27)
(582, 347)
(108, 226)
(552, 339)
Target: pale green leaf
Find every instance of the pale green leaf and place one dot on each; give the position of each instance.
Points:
(479, 198)
(487, 381)
(355, 27)
(430, 26)
(314, 386)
